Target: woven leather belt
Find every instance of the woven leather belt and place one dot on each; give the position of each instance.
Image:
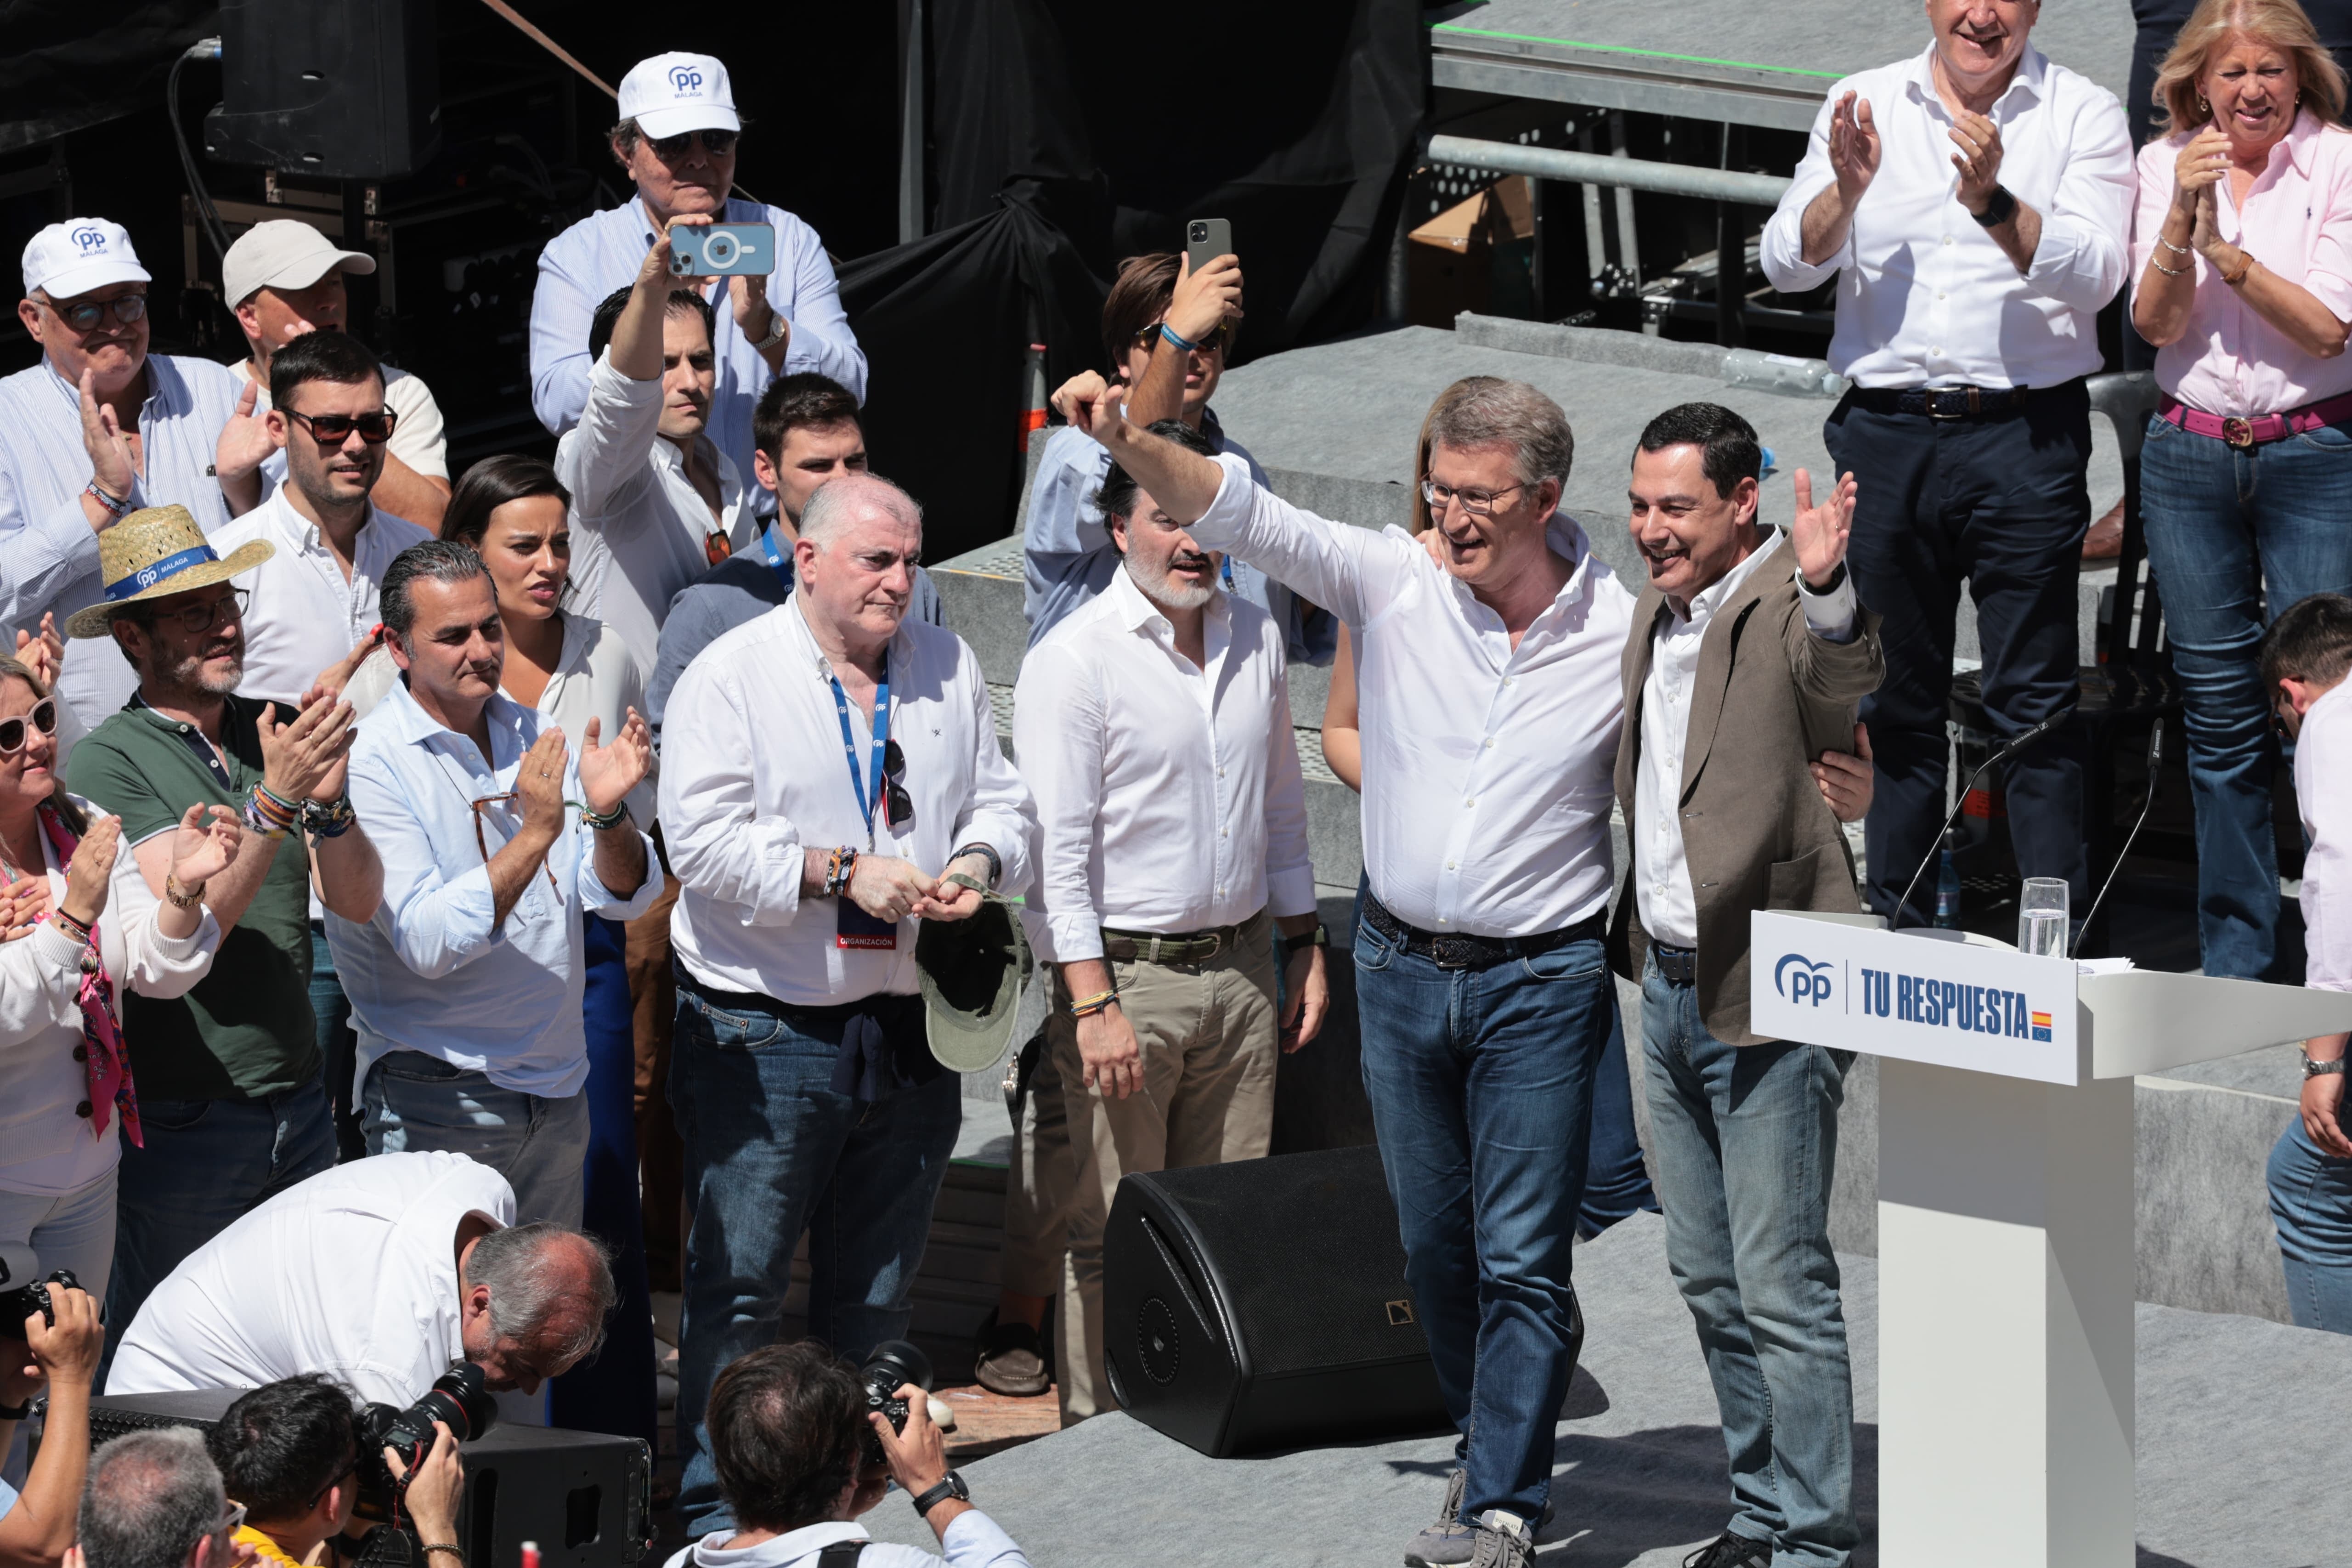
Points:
(1676, 965)
(1191, 947)
(2260, 429)
(1455, 950)
(1942, 402)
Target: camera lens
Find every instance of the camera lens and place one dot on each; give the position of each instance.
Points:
(1200, 231)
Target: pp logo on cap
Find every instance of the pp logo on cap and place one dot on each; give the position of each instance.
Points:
(90, 239)
(687, 80)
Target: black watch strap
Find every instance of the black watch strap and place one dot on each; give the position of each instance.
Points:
(952, 1487)
(1999, 209)
(17, 1412)
(1837, 580)
(1320, 937)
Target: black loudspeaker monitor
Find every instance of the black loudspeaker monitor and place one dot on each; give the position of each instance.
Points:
(1262, 1304)
(586, 1498)
(342, 90)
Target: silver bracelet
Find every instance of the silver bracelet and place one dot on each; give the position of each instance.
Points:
(2176, 249)
(2167, 271)
(2321, 1070)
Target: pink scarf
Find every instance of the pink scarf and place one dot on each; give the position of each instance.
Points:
(103, 1058)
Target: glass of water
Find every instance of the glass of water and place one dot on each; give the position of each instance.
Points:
(2042, 917)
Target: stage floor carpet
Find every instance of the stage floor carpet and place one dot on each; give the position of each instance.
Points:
(2242, 1427)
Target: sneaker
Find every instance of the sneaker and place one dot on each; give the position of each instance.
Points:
(1504, 1540)
(1732, 1549)
(1449, 1542)
(1009, 1359)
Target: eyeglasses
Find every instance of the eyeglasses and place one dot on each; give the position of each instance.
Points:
(350, 1469)
(1477, 503)
(717, 144)
(230, 1520)
(1218, 339)
(898, 805)
(198, 619)
(86, 316)
(334, 429)
(16, 731)
(482, 843)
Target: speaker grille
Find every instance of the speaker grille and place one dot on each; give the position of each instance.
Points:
(1156, 1344)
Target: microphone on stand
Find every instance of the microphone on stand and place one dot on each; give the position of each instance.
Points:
(2154, 758)
(2015, 746)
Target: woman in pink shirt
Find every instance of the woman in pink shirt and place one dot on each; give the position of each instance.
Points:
(2242, 246)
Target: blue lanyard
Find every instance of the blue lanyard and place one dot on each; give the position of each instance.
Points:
(775, 561)
(866, 803)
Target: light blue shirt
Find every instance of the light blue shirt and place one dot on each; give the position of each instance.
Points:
(585, 264)
(48, 552)
(431, 972)
(1068, 558)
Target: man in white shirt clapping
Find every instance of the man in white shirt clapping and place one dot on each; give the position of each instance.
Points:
(1973, 203)
(830, 776)
(1154, 725)
(1490, 695)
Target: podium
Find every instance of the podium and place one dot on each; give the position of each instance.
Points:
(2005, 1213)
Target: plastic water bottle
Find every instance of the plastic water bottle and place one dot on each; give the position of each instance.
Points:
(1784, 373)
(1947, 889)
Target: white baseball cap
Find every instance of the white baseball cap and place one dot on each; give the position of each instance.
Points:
(283, 253)
(73, 257)
(675, 92)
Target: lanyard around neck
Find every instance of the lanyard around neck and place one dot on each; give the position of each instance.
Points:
(775, 560)
(867, 801)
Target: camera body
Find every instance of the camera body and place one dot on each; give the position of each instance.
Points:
(722, 250)
(460, 1399)
(29, 1298)
(889, 1366)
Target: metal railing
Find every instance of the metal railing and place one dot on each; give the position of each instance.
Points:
(1596, 169)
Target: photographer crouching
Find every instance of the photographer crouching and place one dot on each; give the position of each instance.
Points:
(801, 1452)
(293, 1455)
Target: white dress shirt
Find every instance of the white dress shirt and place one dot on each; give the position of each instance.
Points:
(2323, 770)
(352, 1273)
(1169, 794)
(585, 264)
(48, 552)
(753, 775)
(639, 527)
(302, 613)
(1924, 296)
(45, 1148)
(435, 971)
(1488, 769)
(1662, 883)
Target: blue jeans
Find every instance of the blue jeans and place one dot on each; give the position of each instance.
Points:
(338, 1046)
(2311, 1204)
(207, 1163)
(1481, 1087)
(771, 1151)
(1746, 1139)
(412, 1101)
(2223, 524)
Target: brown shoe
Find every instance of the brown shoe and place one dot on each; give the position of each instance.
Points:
(1009, 1359)
(2105, 541)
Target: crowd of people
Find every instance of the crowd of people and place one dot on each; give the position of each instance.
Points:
(432, 917)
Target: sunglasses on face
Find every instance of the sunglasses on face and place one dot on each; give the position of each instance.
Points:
(898, 805)
(86, 316)
(16, 731)
(1216, 342)
(717, 144)
(334, 429)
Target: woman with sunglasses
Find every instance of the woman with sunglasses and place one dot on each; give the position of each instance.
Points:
(514, 513)
(78, 922)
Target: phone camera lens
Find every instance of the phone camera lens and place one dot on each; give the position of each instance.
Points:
(1200, 231)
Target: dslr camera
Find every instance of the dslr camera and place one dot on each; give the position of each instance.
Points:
(460, 1399)
(33, 1296)
(890, 1365)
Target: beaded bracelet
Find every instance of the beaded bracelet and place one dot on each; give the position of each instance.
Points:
(328, 819)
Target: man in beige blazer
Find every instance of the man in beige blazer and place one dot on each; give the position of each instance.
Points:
(1748, 657)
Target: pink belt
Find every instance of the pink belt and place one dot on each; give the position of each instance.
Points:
(2262, 427)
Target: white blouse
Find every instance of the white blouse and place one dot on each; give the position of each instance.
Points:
(46, 1148)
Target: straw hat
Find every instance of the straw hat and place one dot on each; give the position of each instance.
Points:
(155, 551)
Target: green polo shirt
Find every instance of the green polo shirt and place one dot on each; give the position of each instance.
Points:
(245, 1029)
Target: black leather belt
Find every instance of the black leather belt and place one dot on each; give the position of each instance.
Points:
(1943, 402)
(1454, 949)
(1676, 965)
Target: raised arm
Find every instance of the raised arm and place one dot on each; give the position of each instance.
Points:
(1808, 236)
(620, 417)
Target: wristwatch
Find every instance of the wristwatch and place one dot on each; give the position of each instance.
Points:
(23, 1412)
(1320, 937)
(2000, 207)
(1837, 580)
(777, 328)
(2321, 1070)
(953, 1486)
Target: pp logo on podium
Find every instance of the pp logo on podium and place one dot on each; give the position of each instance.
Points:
(1799, 979)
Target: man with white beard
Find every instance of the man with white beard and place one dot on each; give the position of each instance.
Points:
(1153, 726)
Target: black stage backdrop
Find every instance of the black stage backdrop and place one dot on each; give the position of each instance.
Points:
(68, 63)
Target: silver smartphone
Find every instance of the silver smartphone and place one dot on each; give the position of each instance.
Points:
(722, 250)
(1206, 239)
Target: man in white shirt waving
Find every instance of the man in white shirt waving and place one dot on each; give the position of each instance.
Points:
(1973, 202)
(1490, 709)
(654, 503)
(1154, 725)
(830, 775)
